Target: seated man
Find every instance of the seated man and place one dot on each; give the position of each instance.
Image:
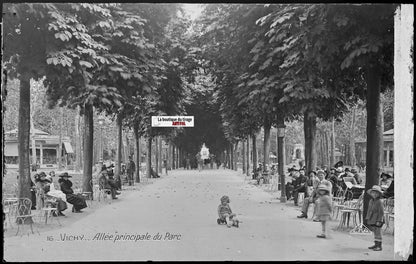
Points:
(291, 178)
(300, 186)
(105, 183)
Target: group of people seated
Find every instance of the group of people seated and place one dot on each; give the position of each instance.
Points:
(336, 179)
(263, 173)
(44, 193)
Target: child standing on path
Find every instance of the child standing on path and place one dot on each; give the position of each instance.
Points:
(375, 216)
(225, 213)
(324, 207)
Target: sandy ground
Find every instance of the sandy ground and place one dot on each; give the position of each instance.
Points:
(181, 208)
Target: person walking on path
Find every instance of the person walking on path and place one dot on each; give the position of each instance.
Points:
(131, 168)
(200, 161)
(324, 207)
(320, 179)
(375, 216)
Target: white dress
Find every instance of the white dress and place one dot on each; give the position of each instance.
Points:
(56, 193)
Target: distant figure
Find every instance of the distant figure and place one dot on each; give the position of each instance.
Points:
(131, 168)
(200, 161)
(188, 163)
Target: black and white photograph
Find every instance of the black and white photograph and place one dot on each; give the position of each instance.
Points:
(207, 131)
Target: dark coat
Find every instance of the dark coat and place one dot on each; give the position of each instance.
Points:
(375, 212)
(66, 186)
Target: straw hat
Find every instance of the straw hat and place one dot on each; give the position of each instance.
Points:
(375, 188)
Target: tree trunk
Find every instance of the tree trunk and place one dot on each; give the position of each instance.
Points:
(332, 142)
(59, 156)
(231, 147)
(374, 129)
(32, 135)
(160, 154)
(381, 136)
(119, 149)
(78, 154)
(149, 157)
(24, 138)
(266, 143)
(88, 148)
(235, 156)
(310, 141)
(281, 158)
(352, 139)
(126, 147)
(137, 151)
(157, 154)
(244, 156)
(173, 156)
(248, 156)
(254, 151)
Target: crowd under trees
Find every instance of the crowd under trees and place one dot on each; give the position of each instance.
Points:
(238, 68)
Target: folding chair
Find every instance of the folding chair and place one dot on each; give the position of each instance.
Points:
(49, 209)
(24, 214)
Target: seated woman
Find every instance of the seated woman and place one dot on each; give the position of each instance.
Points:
(46, 188)
(106, 183)
(385, 180)
(390, 191)
(77, 200)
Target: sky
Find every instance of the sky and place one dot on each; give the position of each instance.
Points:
(193, 10)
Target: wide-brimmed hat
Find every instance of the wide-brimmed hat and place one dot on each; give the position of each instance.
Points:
(65, 174)
(323, 187)
(339, 164)
(375, 188)
(385, 174)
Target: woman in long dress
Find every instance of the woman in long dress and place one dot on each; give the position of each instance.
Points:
(77, 200)
(46, 188)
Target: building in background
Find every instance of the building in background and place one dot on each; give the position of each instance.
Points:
(361, 149)
(47, 147)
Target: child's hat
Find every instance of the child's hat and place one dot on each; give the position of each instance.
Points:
(225, 198)
(375, 188)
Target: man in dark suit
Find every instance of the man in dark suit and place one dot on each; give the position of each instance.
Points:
(299, 185)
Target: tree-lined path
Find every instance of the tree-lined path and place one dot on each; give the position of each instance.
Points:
(185, 203)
